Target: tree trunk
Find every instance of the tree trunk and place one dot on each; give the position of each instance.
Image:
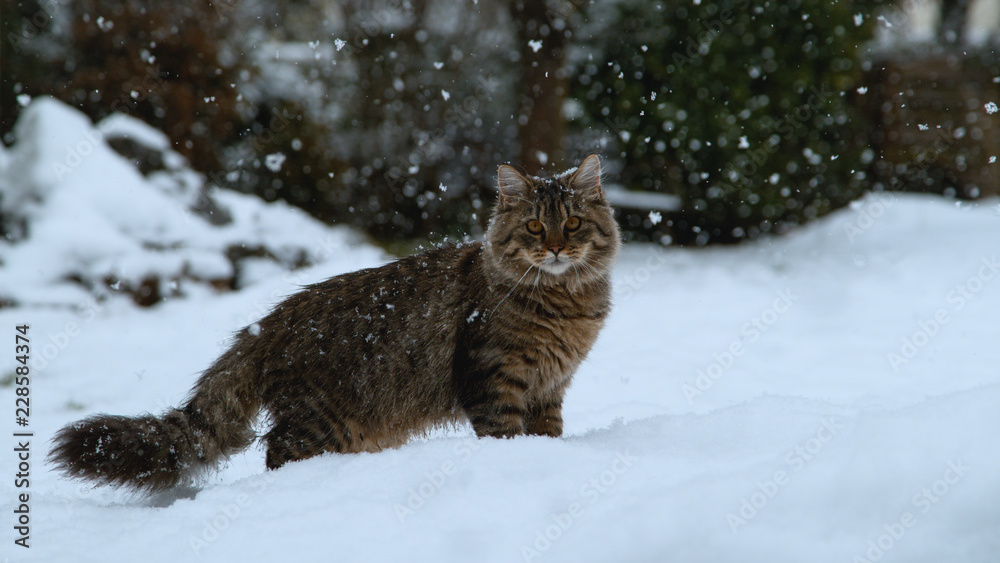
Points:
(542, 38)
(953, 16)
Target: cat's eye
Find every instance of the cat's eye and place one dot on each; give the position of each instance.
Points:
(573, 223)
(535, 227)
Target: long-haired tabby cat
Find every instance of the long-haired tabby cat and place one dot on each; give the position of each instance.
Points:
(489, 332)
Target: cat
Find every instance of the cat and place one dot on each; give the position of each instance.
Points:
(487, 332)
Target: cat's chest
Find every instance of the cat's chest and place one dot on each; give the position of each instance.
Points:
(543, 339)
(555, 348)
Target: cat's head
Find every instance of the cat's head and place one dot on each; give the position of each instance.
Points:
(561, 227)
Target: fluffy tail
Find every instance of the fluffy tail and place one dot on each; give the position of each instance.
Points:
(154, 453)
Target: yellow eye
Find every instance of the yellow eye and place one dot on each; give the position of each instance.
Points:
(535, 227)
(573, 223)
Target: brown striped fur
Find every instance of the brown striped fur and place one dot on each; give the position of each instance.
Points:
(487, 332)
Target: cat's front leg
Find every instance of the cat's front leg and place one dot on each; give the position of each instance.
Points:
(499, 409)
(545, 419)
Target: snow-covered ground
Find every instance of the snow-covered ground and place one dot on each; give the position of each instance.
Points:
(832, 395)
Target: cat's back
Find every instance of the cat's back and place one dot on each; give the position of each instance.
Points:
(399, 317)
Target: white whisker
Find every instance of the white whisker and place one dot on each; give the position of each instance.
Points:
(530, 266)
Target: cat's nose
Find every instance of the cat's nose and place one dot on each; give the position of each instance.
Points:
(555, 248)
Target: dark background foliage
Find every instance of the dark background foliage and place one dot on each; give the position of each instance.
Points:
(392, 115)
(742, 108)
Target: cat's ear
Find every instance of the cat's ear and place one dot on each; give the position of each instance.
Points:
(587, 178)
(511, 184)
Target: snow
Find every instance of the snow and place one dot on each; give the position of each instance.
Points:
(123, 126)
(991, 107)
(275, 161)
(803, 440)
(618, 196)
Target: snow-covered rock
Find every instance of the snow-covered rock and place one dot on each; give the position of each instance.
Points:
(86, 221)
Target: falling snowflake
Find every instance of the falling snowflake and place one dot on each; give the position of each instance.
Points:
(743, 144)
(863, 90)
(993, 159)
(443, 187)
(535, 45)
(655, 217)
(446, 95)
(274, 161)
(339, 43)
(991, 107)
(438, 66)
(922, 126)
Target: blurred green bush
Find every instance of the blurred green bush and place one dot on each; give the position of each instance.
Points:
(742, 108)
